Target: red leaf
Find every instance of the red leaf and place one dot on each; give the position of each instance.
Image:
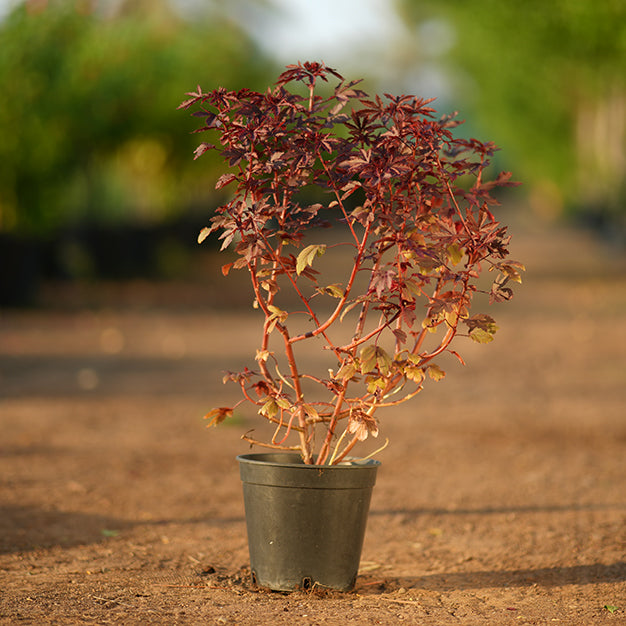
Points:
(224, 180)
(217, 416)
(202, 148)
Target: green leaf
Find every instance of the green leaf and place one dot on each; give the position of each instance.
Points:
(283, 403)
(269, 409)
(307, 255)
(383, 361)
(611, 608)
(347, 370)
(311, 411)
(335, 290)
(109, 533)
(375, 357)
(368, 359)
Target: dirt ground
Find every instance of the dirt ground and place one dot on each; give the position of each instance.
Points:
(501, 498)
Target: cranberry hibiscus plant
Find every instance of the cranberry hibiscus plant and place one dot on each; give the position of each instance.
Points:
(413, 205)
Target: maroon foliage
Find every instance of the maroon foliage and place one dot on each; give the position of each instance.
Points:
(415, 209)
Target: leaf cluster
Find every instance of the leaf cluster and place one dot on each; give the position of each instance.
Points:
(414, 207)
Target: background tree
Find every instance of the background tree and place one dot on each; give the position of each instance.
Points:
(88, 126)
(547, 81)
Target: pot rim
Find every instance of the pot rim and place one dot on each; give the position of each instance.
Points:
(292, 459)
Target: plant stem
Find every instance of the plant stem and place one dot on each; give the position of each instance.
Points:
(305, 440)
(323, 455)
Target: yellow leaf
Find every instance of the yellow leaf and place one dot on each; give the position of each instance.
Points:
(335, 290)
(480, 336)
(374, 384)
(262, 355)
(416, 374)
(307, 255)
(455, 253)
(435, 372)
(204, 233)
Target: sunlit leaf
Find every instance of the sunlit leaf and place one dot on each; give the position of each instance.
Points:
(269, 409)
(202, 148)
(277, 315)
(416, 374)
(383, 361)
(218, 415)
(204, 233)
(480, 336)
(512, 269)
(362, 425)
(335, 290)
(283, 403)
(347, 370)
(455, 253)
(224, 180)
(367, 358)
(311, 411)
(375, 384)
(270, 286)
(307, 255)
(262, 355)
(435, 372)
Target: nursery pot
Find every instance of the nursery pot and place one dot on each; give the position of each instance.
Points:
(305, 523)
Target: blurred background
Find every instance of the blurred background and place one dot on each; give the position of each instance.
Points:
(97, 177)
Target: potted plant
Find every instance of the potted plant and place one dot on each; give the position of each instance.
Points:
(409, 205)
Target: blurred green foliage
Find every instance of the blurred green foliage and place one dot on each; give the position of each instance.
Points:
(546, 79)
(89, 131)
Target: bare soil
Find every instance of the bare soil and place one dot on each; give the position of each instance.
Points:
(501, 498)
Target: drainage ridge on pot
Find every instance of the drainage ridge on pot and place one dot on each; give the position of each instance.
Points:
(306, 523)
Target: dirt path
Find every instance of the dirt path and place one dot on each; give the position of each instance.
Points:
(501, 499)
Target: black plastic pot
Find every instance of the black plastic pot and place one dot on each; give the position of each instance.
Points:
(305, 523)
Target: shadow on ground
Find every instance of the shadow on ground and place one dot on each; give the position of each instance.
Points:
(26, 528)
(543, 576)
